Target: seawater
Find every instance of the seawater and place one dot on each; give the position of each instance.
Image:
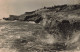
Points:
(11, 30)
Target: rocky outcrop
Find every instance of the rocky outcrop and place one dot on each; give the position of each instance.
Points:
(54, 11)
(62, 22)
(59, 19)
(12, 18)
(52, 17)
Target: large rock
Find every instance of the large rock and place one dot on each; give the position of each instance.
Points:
(12, 18)
(61, 23)
(61, 20)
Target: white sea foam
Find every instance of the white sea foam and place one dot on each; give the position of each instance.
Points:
(2, 27)
(49, 39)
(75, 37)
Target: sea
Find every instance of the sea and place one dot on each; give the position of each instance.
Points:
(11, 30)
(15, 30)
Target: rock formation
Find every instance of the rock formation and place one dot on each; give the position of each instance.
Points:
(60, 21)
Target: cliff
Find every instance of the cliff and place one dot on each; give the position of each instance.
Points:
(62, 22)
(59, 11)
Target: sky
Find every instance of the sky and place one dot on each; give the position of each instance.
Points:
(17, 7)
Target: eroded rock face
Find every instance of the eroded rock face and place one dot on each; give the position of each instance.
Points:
(62, 27)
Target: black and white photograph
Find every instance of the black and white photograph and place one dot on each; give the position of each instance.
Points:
(39, 25)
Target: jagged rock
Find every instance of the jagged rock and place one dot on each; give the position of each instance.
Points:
(60, 10)
(58, 19)
(12, 18)
(60, 22)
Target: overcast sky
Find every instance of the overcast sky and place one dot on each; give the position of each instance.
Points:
(17, 7)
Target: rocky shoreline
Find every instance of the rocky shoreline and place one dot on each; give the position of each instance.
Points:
(62, 22)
